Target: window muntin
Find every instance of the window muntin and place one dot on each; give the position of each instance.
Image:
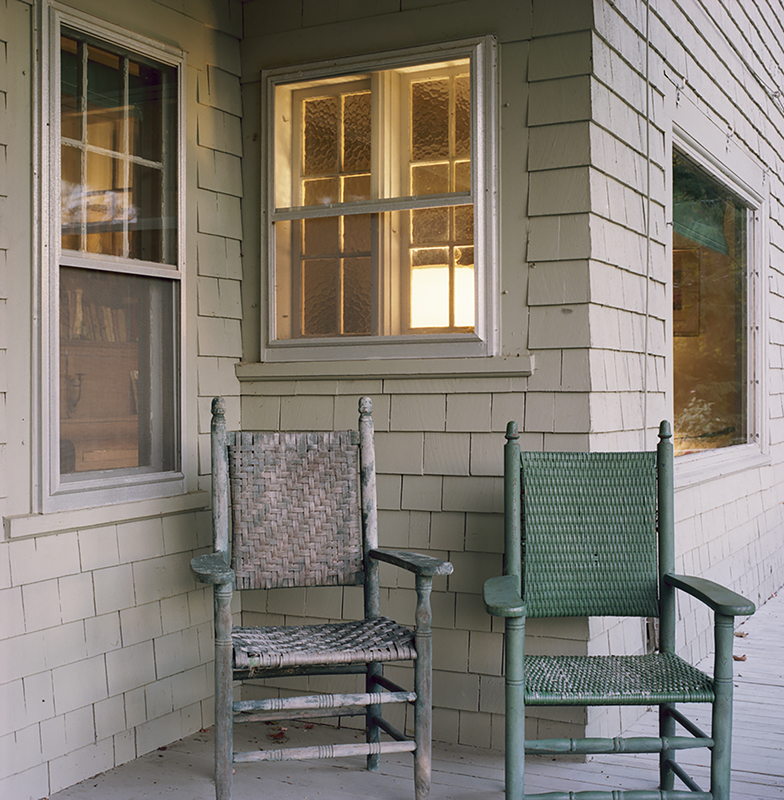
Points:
(710, 311)
(115, 380)
(373, 224)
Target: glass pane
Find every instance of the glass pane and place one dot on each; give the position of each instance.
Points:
(357, 233)
(71, 197)
(430, 179)
(105, 100)
(464, 224)
(320, 236)
(464, 287)
(462, 176)
(146, 109)
(430, 296)
(107, 204)
(70, 89)
(321, 136)
(356, 132)
(320, 191)
(430, 226)
(117, 383)
(357, 298)
(710, 341)
(462, 116)
(355, 187)
(320, 297)
(145, 216)
(430, 119)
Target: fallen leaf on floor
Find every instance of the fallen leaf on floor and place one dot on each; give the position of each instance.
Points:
(741, 634)
(280, 736)
(739, 658)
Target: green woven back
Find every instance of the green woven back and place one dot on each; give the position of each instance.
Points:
(589, 534)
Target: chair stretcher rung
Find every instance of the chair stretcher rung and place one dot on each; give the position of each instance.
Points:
(323, 701)
(325, 751)
(639, 744)
(303, 713)
(634, 794)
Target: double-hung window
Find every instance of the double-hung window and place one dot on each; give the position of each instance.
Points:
(379, 201)
(713, 354)
(114, 299)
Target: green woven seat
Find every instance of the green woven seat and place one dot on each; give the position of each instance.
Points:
(592, 534)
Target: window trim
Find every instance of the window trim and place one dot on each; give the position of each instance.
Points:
(712, 149)
(484, 341)
(51, 493)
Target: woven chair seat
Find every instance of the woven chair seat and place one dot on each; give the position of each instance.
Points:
(358, 642)
(614, 680)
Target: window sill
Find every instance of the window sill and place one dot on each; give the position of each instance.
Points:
(413, 368)
(696, 468)
(27, 525)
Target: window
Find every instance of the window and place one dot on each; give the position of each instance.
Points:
(114, 395)
(377, 203)
(711, 339)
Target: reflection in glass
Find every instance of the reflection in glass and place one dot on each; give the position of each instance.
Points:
(117, 372)
(710, 341)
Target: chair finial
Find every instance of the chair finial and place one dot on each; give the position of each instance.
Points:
(511, 431)
(218, 407)
(365, 406)
(665, 430)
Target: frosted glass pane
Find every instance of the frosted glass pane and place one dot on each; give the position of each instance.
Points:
(356, 187)
(463, 176)
(430, 297)
(320, 236)
(357, 233)
(430, 179)
(430, 226)
(356, 132)
(462, 116)
(464, 297)
(430, 256)
(356, 295)
(464, 224)
(320, 191)
(320, 297)
(430, 119)
(107, 204)
(320, 136)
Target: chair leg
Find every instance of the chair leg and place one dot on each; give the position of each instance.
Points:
(373, 732)
(666, 730)
(721, 726)
(423, 686)
(514, 766)
(224, 716)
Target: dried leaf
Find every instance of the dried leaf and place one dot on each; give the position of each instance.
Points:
(739, 658)
(741, 634)
(280, 736)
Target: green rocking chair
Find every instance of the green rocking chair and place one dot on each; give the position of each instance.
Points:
(299, 509)
(591, 534)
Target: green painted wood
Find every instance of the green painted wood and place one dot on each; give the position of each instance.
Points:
(212, 568)
(593, 534)
(418, 563)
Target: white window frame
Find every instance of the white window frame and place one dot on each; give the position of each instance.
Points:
(484, 341)
(110, 486)
(714, 150)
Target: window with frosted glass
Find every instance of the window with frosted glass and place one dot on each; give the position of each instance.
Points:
(373, 225)
(710, 326)
(118, 318)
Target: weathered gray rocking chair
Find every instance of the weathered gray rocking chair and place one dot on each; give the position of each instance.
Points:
(591, 534)
(303, 513)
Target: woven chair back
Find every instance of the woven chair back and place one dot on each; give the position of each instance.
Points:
(295, 501)
(589, 534)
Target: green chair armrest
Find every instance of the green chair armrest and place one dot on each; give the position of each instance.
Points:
(719, 598)
(502, 597)
(417, 563)
(211, 568)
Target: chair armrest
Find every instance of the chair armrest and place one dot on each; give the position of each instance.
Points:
(502, 597)
(417, 563)
(719, 598)
(211, 568)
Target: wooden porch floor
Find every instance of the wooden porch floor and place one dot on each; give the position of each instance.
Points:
(182, 771)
